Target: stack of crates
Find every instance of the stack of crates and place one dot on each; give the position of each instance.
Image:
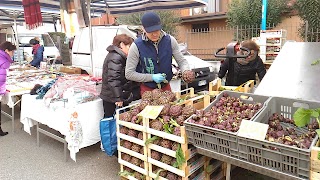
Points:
(144, 166)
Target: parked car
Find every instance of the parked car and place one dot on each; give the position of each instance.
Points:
(102, 37)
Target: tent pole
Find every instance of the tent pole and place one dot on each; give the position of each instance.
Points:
(90, 37)
(16, 34)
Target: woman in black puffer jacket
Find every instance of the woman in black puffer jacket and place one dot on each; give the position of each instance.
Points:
(241, 70)
(116, 89)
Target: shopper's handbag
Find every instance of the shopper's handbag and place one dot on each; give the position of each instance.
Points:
(108, 132)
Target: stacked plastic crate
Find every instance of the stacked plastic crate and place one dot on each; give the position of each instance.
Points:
(271, 42)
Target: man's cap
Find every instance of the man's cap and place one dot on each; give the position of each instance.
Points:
(151, 22)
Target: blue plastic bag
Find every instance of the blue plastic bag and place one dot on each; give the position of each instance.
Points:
(108, 133)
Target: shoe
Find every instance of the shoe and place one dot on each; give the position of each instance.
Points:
(3, 133)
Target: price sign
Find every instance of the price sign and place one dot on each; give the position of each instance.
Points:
(151, 112)
(253, 130)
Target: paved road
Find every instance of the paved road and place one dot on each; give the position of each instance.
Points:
(21, 159)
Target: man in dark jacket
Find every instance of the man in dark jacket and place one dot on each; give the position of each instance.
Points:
(116, 89)
(241, 70)
(150, 56)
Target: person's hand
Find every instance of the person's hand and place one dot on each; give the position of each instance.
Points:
(119, 104)
(158, 78)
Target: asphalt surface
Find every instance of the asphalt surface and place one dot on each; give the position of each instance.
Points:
(22, 159)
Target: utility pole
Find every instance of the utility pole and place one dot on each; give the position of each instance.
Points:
(264, 15)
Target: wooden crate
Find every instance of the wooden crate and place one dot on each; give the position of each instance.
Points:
(214, 89)
(314, 175)
(70, 70)
(199, 175)
(185, 93)
(122, 163)
(213, 166)
(130, 177)
(186, 170)
(198, 102)
(129, 124)
(315, 162)
(187, 152)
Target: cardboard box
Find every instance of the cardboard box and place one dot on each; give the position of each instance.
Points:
(70, 70)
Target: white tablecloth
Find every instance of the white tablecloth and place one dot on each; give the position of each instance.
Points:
(89, 116)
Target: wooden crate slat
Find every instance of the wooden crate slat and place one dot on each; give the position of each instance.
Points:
(180, 139)
(134, 167)
(188, 92)
(131, 139)
(191, 152)
(133, 153)
(132, 125)
(162, 150)
(167, 167)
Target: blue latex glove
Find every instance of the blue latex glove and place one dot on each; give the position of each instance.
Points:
(158, 78)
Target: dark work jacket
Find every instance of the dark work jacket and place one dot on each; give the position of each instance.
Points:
(239, 74)
(37, 57)
(115, 87)
(155, 59)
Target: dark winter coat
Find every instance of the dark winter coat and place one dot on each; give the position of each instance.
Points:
(239, 74)
(37, 57)
(115, 87)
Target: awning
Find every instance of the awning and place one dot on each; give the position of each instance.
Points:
(133, 6)
(12, 9)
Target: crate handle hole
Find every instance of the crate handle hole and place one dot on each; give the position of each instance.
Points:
(209, 132)
(248, 98)
(271, 148)
(301, 105)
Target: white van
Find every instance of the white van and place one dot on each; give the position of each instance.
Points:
(103, 36)
(51, 52)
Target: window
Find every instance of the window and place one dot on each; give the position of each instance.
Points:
(200, 27)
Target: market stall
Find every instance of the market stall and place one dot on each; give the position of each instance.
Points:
(21, 80)
(71, 107)
(272, 144)
(274, 132)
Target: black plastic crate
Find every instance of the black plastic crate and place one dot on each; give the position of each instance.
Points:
(284, 158)
(217, 140)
